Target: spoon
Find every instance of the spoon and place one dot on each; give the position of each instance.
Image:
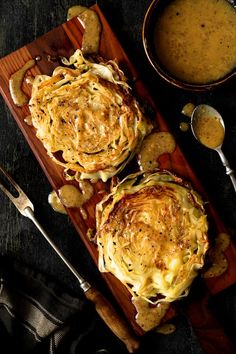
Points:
(208, 128)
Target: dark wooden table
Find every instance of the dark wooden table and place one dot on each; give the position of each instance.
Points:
(21, 22)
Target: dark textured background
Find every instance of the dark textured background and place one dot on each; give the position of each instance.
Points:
(21, 22)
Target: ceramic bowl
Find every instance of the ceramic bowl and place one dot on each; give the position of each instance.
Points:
(149, 22)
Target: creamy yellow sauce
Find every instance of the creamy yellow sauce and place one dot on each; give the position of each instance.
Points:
(153, 147)
(15, 83)
(148, 317)
(75, 11)
(86, 189)
(188, 109)
(29, 80)
(55, 203)
(209, 130)
(196, 41)
(219, 263)
(166, 328)
(28, 119)
(83, 213)
(71, 197)
(92, 27)
(184, 127)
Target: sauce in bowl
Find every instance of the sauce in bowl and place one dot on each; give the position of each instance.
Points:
(192, 41)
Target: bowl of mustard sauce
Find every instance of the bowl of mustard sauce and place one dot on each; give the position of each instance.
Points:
(191, 44)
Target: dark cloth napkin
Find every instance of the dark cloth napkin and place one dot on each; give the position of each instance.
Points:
(37, 316)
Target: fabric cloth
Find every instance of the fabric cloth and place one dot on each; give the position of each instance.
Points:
(38, 317)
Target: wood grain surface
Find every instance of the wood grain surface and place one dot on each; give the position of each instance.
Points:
(62, 41)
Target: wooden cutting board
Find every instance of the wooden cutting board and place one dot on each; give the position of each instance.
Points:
(62, 41)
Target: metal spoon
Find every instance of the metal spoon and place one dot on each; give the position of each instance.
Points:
(205, 119)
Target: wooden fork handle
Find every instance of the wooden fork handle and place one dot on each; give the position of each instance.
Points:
(113, 320)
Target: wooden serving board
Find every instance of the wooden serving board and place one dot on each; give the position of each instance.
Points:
(62, 41)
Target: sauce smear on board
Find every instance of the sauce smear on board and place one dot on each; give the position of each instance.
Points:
(71, 197)
(92, 27)
(15, 83)
(153, 146)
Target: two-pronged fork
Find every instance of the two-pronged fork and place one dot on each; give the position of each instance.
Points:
(106, 311)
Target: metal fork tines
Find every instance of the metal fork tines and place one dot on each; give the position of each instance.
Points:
(21, 202)
(26, 208)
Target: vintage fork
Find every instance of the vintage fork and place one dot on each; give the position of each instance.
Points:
(26, 208)
(103, 307)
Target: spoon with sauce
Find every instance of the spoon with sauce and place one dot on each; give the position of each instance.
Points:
(208, 128)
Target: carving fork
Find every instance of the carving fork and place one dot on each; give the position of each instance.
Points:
(106, 311)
